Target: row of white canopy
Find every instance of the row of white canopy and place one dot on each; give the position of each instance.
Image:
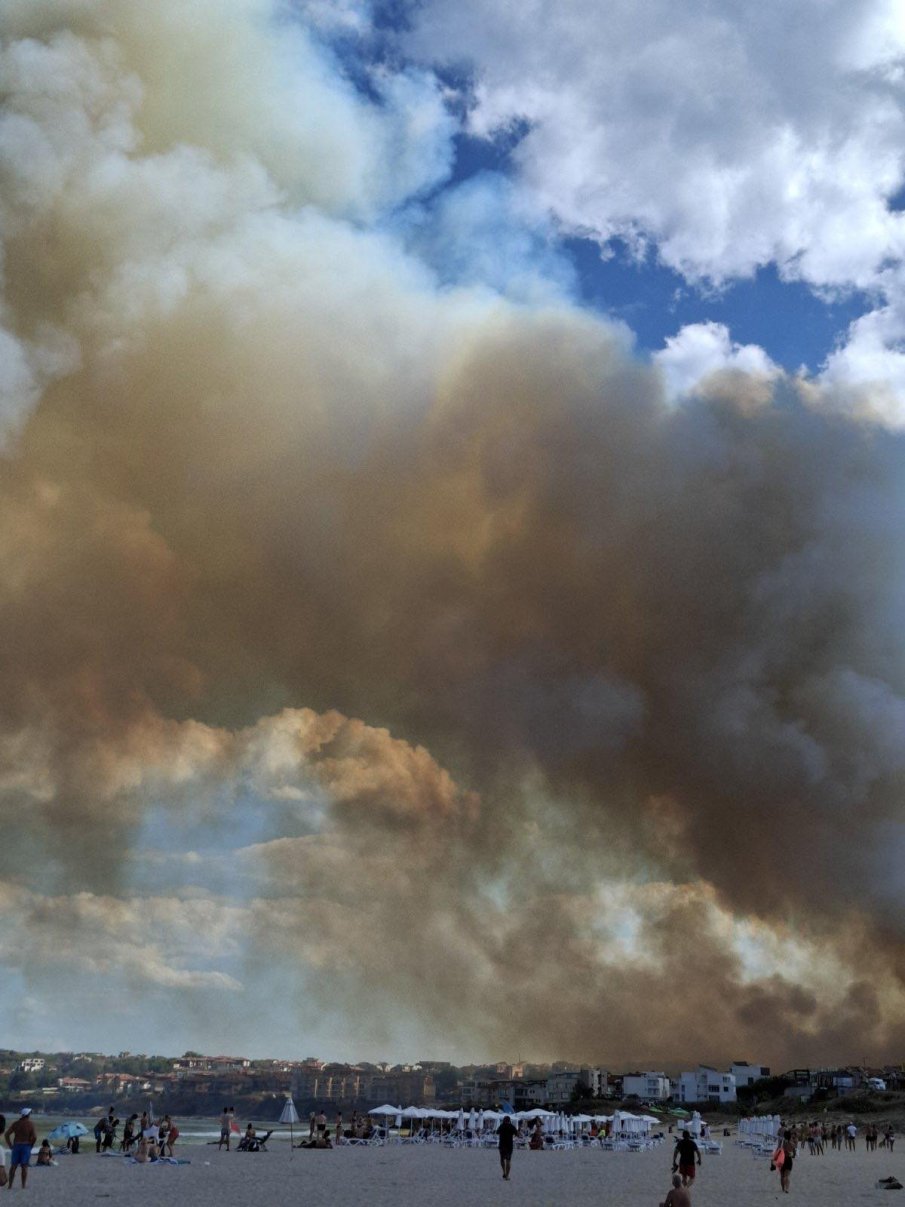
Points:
(478, 1120)
(759, 1125)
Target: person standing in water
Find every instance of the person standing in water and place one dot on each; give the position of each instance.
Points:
(506, 1133)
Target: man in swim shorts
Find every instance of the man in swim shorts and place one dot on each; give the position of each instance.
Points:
(683, 1158)
(21, 1136)
(506, 1133)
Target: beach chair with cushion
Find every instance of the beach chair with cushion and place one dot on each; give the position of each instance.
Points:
(257, 1144)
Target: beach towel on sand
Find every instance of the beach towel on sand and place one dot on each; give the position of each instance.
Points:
(161, 1161)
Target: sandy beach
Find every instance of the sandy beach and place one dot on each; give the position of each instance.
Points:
(398, 1175)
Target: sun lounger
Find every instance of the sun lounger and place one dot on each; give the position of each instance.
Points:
(256, 1144)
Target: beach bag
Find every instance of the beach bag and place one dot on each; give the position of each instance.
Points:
(778, 1159)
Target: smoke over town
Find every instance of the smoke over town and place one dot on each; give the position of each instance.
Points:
(403, 646)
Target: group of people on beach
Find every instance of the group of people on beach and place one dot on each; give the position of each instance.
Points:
(149, 1140)
(815, 1136)
(838, 1136)
(357, 1127)
(159, 1139)
(249, 1142)
(21, 1137)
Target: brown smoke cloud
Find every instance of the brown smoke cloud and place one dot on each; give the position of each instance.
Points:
(627, 765)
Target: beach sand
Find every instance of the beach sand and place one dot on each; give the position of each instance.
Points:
(405, 1176)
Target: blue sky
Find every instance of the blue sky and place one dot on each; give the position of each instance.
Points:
(799, 315)
(796, 325)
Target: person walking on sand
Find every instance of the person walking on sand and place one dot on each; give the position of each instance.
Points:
(128, 1134)
(683, 1158)
(224, 1129)
(172, 1137)
(506, 1133)
(789, 1152)
(678, 1196)
(21, 1137)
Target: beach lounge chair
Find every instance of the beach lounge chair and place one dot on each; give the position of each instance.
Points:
(257, 1144)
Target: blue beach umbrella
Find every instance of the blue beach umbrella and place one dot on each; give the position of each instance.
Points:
(65, 1131)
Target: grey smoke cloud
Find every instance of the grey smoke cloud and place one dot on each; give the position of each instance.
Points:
(514, 683)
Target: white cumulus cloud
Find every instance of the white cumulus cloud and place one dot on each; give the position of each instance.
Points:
(699, 350)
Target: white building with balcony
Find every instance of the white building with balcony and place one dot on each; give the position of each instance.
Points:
(747, 1074)
(650, 1087)
(705, 1085)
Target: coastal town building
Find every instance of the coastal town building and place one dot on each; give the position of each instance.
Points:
(211, 1064)
(597, 1081)
(650, 1087)
(74, 1085)
(560, 1087)
(746, 1074)
(704, 1085)
(193, 1081)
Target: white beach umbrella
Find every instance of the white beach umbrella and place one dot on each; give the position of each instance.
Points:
(460, 1121)
(289, 1115)
(472, 1120)
(480, 1123)
(386, 1109)
(411, 1113)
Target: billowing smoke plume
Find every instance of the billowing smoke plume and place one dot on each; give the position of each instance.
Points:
(510, 686)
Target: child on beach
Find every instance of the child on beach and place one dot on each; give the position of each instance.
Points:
(678, 1196)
